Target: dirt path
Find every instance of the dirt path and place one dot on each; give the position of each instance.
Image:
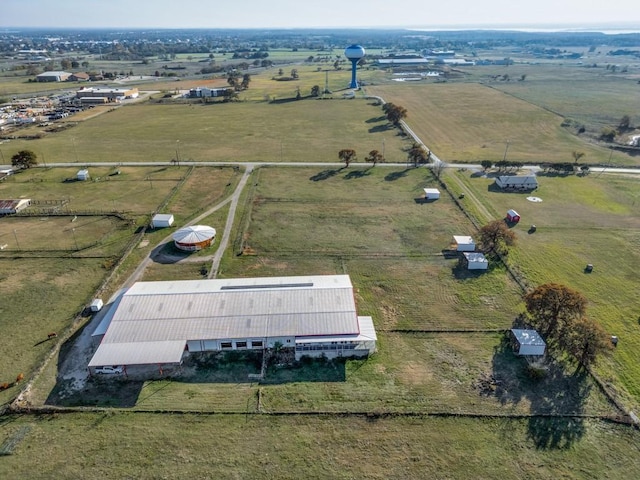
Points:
(469, 195)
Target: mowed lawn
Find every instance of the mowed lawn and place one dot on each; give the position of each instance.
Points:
(291, 447)
(469, 122)
(581, 220)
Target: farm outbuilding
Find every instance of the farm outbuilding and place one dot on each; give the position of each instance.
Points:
(159, 323)
(431, 193)
(464, 243)
(527, 342)
(96, 305)
(194, 238)
(9, 207)
(83, 175)
(515, 182)
(162, 220)
(513, 216)
(476, 261)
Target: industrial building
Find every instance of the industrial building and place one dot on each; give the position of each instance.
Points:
(53, 77)
(111, 94)
(159, 323)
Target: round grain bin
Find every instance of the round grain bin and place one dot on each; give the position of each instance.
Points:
(194, 238)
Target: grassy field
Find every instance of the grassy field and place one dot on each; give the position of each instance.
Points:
(437, 325)
(238, 446)
(592, 219)
(239, 132)
(40, 296)
(464, 122)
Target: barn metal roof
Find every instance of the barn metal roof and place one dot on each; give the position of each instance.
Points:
(154, 313)
(527, 337)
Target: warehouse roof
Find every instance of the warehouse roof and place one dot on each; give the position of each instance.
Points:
(157, 318)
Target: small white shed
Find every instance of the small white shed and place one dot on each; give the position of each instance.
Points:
(162, 220)
(464, 243)
(431, 193)
(527, 342)
(476, 261)
(83, 175)
(96, 305)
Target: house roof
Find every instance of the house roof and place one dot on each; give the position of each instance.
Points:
(518, 180)
(160, 316)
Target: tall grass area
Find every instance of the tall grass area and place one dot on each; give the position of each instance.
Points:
(82, 445)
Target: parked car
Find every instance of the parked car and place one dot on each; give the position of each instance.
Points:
(110, 369)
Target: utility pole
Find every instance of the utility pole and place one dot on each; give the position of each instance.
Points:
(16, 237)
(505, 151)
(178, 152)
(73, 141)
(75, 240)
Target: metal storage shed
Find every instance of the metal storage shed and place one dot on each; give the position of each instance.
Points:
(431, 193)
(162, 220)
(83, 175)
(476, 261)
(527, 342)
(464, 243)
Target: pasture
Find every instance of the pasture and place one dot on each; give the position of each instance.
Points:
(60, 263)
(592, 219)
(468, 122)
(150, 445)
(309, 130)
(436, 324)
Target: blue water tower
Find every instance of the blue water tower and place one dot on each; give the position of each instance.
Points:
(354, 53)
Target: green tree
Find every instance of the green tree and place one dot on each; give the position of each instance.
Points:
(554, 308)
(585, 340)
(315, 91)
(486, 164)
(495, 238)
(608, 134)
(246, 80)
(418, 155)
(394, 113)
(347, 156)
(625, 124)
(24, 159)
(374, 157)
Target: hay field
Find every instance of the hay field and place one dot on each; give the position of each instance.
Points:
(471, 122)
(309, 130)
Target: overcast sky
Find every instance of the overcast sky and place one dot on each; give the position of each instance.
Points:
(318, 13)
